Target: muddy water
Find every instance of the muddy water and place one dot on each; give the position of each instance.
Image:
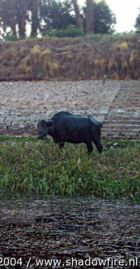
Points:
(75, 231)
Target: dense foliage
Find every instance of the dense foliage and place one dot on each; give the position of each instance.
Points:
(104, 18)
(19, 19)
(56, 15)
(137, 25)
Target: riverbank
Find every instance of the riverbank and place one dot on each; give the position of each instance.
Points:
(114, 103)
(89, 58)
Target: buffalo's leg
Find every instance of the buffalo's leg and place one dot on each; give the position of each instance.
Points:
(61, 145)
(98, 145)
(89, 146)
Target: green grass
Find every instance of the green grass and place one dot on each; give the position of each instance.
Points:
(32, 167)
(112, 37)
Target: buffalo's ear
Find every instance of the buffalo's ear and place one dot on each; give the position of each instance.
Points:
(42, 124)
(49, 123)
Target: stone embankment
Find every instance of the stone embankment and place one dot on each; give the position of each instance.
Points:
(123, 117)
(115, 103)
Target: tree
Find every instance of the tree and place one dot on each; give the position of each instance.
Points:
(89, 16)
(104, 19)
(56, 14)
(21, 16)
(137, 24)
(8, 16)
(78, 16)
(13, 16)
(34, 8)
(47, 15)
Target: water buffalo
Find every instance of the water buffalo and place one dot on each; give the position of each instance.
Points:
(73, 128)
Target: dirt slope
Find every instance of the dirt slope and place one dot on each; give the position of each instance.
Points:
(71, 59)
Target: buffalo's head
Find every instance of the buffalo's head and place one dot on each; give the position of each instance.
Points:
(43, 128)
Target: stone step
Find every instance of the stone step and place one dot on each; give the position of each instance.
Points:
(123, 116)
(118, 136)
(121, 123)
(137, 132)
(121, 127)
(117, 112)
(120, 131)
(119, 118)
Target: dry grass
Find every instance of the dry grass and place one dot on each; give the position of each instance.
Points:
(71, 58)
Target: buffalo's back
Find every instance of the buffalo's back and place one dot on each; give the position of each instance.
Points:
(74, 128)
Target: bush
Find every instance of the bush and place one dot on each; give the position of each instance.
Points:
(69, 32)
(10, 37)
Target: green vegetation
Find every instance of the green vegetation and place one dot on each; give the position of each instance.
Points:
(137, 25)
(45, 16)
(68, 32)
(32, 167)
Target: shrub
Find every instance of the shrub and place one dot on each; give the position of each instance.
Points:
(69, 32)
(10, 37)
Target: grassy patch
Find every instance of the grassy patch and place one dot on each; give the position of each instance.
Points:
(29, 166)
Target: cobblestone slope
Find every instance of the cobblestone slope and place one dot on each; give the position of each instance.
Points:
(123, 118)
(115, 103)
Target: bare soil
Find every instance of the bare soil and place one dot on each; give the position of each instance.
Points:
(80, 229)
